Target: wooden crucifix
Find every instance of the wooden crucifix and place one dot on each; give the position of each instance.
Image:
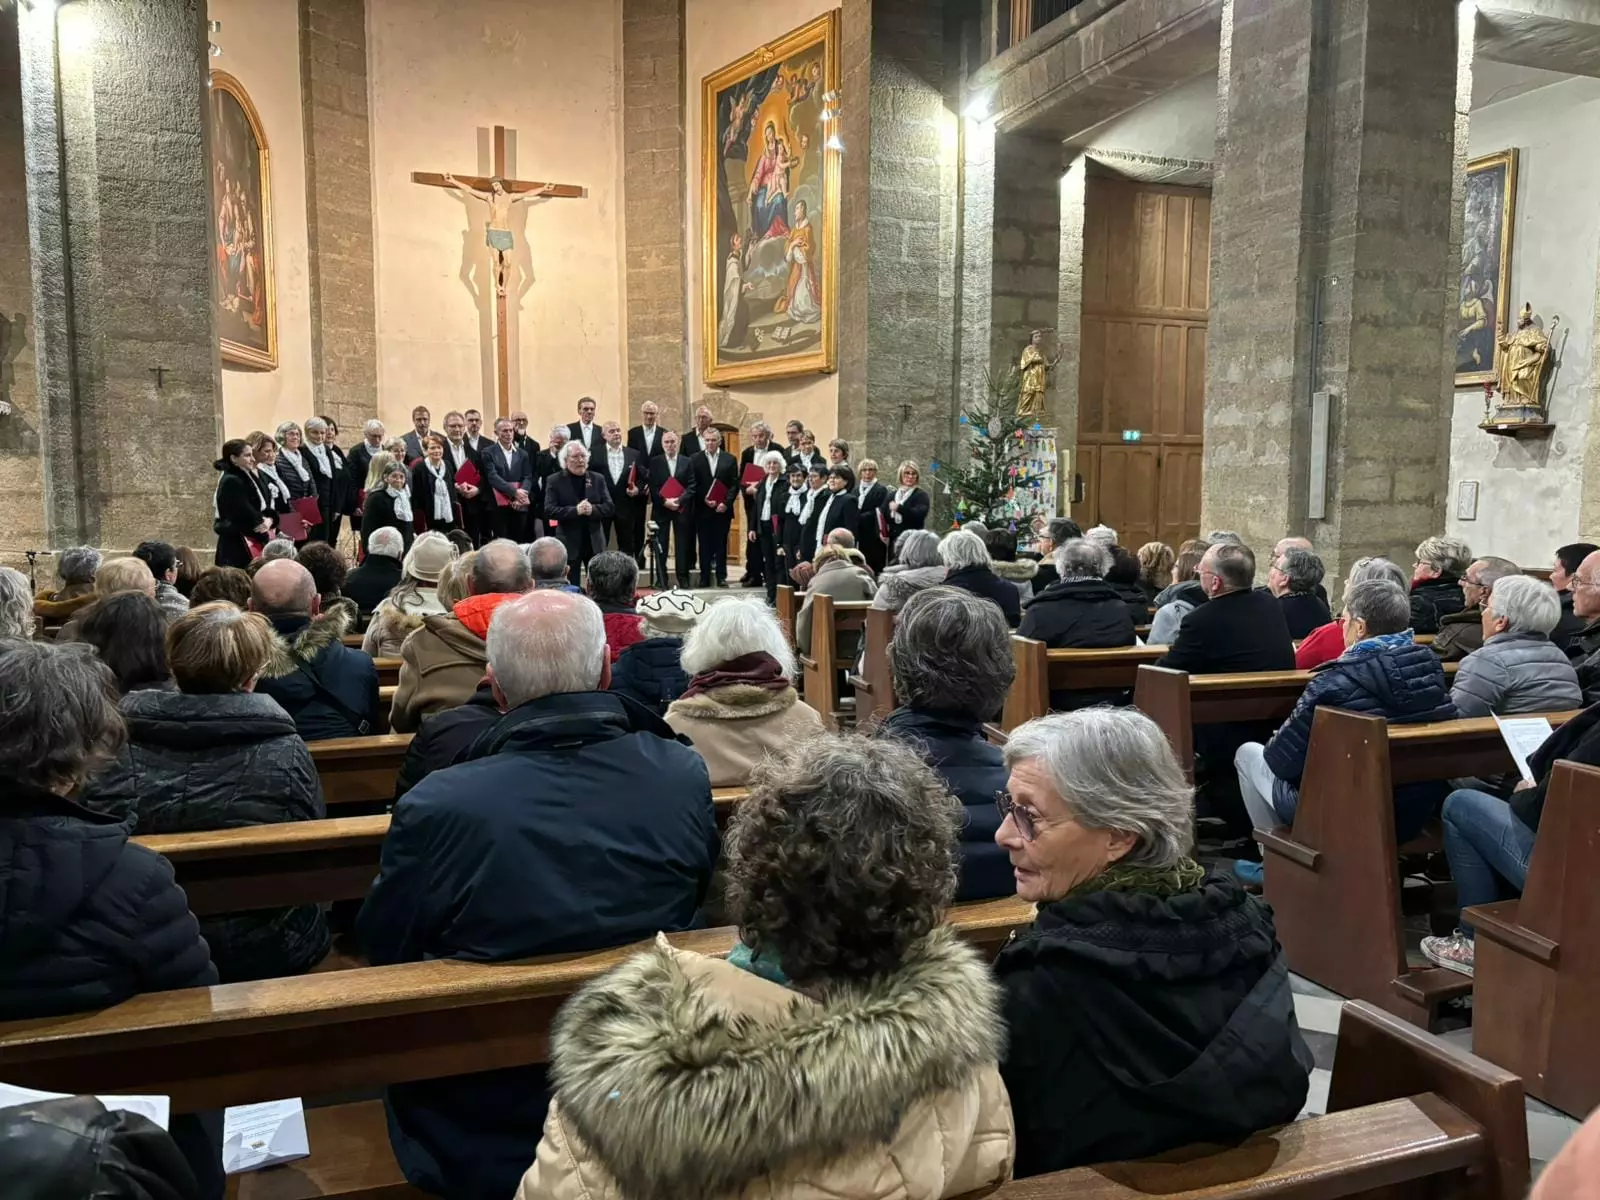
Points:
(500, 194)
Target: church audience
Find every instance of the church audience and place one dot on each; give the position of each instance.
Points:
(741, 702)
(1080, 611)
(1155, 569)
(952, 664)
(189, 569)
(1461, 633)
(1517, 669)
(1568, 559)
(1178, 598)
(16, 604)
(328, 688)
(1436, 582)
(1102, 535)
(968, 567)
(162, 560)
(1383, 673)
(1237, 628)
(1325, 644)
(1584, 649)
(917, 566)
(328, 568)
(651, 672)
(221, 583)
(214, 754)
(1057, 532)
(442, 663)
(613, 578)
(378, 574)
(76, 568)
(547, 562)
(843, 578)
(127, 631)
(1148, 1007)
(574, 822)
(1003, 561)
(846, 1048)
(87, 918)
(1122, 576)
(1295, 578)
(124, 575)
(414, 598)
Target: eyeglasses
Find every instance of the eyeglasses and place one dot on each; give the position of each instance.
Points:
(1580, 581)
(1023, 816)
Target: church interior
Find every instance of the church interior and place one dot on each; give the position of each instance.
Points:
(1207, 279)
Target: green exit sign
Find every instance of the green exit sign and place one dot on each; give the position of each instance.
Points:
(1131, 435)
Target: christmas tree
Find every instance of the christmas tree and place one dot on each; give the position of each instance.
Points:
(998, 485)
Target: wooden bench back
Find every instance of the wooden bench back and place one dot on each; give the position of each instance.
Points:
(359, 770)
(787, 607)
(821, 665)
(874, 685)
(1041, 671)
(388, 672)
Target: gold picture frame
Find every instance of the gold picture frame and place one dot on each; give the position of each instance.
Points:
(241, 228)
(765, 165)
(1490, 203)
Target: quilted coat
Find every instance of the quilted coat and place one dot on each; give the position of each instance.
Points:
(1516, 672)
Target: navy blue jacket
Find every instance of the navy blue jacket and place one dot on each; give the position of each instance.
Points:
(973, 770)
(443, 738)
(575, 822)
(650, 673)
(1404, 683)
(304, 647)
(981, 581)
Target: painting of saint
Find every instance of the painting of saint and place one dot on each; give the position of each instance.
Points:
(770, 209)
(242, 228)
(1491, 202)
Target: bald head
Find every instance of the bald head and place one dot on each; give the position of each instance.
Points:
(1290, 543)
(547, 643)
(1586, 588)
(283, 588)
(499, 568)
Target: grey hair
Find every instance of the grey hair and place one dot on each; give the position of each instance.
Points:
(1447, 555)
(1382, 605)
(1302, 568)
(315, 423)
(573, 447)
(285, 427)
(1364, 569)
(962, 548)
(1103, 534)
(279, 547)
(556, 431)
(500, 567)
(1492, 570)
(547, 559)
(613, 576)
(918, 548)
(373, 426)
(1235, 564)
(1114, 769)
(1063, 529)
(732, 628)
(546, 643)
(772, 456)
(1218, 537)
(1079, 558)
(387, 542)
(78, 564)
(951, 652)
(59, 720)
(761, 425)
(1530, 605)
(16, 604)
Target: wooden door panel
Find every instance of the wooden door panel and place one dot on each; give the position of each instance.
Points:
(1088, 466)
(1200, 254)
(1172, 379)
(1180, 494)
(1194, 408)
(1175, 277)
(1150, 230)
(1128, 491)
(1092, 378)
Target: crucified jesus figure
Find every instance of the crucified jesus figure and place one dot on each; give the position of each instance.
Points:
(497, 229)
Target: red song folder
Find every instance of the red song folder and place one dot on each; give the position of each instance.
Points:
(633, 476)
(671, 490)
(500, 498)
(752, 474)
(292, 525)
(468, 474)
(883, 525)
(718, 494)
(308, 509)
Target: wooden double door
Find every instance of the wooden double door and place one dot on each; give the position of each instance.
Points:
(1146, 293)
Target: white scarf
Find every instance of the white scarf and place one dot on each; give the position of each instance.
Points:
(811, 500)
(274, 482)
(294, 460)
(901, 494)
(797, 501)
(822, 517)
(402, 505)
(766, 499)
(320, 451)
(442, 509)
(861, 495)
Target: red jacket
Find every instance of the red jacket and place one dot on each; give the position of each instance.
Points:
(1322, 645)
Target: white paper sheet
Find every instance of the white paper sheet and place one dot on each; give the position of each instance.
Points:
(260, 1135)
(1523, 735)
(156, 1108)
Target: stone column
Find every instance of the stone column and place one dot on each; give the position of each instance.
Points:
(1335, 177)
(119, 205)
(653, 208)
(898, 238)
(333, 97)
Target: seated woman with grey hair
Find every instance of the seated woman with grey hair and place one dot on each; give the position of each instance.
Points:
(1383, 672)
(741, 703)
(917, 565)
(966, 557)
(846, 1047)
(1148, 1007)
(1518, 669)
(1436, 581)
(76, 567)
(952, 664)
(16, 604)
(1326, 643)
(1080, 610)
(613, 579)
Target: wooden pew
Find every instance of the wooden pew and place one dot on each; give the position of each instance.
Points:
(1406, 1120)
(787, 607)
(874, 683)
(385, 706)
(819, 669)
(1333, 879)
(359, 770)
(388, 675)
(1538, 958)
(1041, 670)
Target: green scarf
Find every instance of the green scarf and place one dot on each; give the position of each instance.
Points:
(764, 964)
(1183, 876)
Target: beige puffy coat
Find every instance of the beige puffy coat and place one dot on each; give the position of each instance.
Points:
(733, 728)
(679, 1075)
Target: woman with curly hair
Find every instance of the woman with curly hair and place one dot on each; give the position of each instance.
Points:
(845, 1048)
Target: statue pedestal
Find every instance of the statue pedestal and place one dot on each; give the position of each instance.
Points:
(1513, 421)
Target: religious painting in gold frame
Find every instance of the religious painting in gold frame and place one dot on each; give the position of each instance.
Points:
(241, 229)
(770, 210)
(1484, 294)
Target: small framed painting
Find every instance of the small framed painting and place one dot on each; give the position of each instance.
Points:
(241, 232)
(1485, 286)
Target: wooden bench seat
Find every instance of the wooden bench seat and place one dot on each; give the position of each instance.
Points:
(388, 673)
(1041, 671)
(359, 770)
(874, 683)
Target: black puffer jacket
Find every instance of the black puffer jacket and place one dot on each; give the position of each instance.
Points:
(221, 762)
(1433, 599)
(1140, 1023)
(1080, 614)
(981, 581)
(305, 647)
(650, 672)
(1303, 612)
(74, 1149)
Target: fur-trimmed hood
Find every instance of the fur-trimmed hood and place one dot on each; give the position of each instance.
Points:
(56, 609)
(736, 702)
(1017, 572)
(309, 641)
(685, 1076)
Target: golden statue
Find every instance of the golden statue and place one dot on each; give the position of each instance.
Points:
(1035, 370)
(1524, 358)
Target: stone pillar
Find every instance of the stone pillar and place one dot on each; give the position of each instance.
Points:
(119, 205)
(898, 237)
(1335, 177)
(1027, 243)
(333, 98)
(653, 208)
(1061, 402)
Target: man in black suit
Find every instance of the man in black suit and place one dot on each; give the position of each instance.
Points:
(793, 431)
(645, 438)
(694, 442)
(519, 422)
(413, 440)
(508, 471)
(674, 519)
(714, 465)
(578, 507)
(760, 444)
(624, 472)
(471, 498)
(585, 432)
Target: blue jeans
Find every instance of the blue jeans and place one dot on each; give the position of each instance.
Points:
(1486, 844)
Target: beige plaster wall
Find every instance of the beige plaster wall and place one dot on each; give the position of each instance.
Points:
(260, 42)
(442, 73)
(716, 33)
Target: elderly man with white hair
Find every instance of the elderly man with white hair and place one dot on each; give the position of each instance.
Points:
(1517, 669)
(379, 573)
(575, 822)
(577, 506)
